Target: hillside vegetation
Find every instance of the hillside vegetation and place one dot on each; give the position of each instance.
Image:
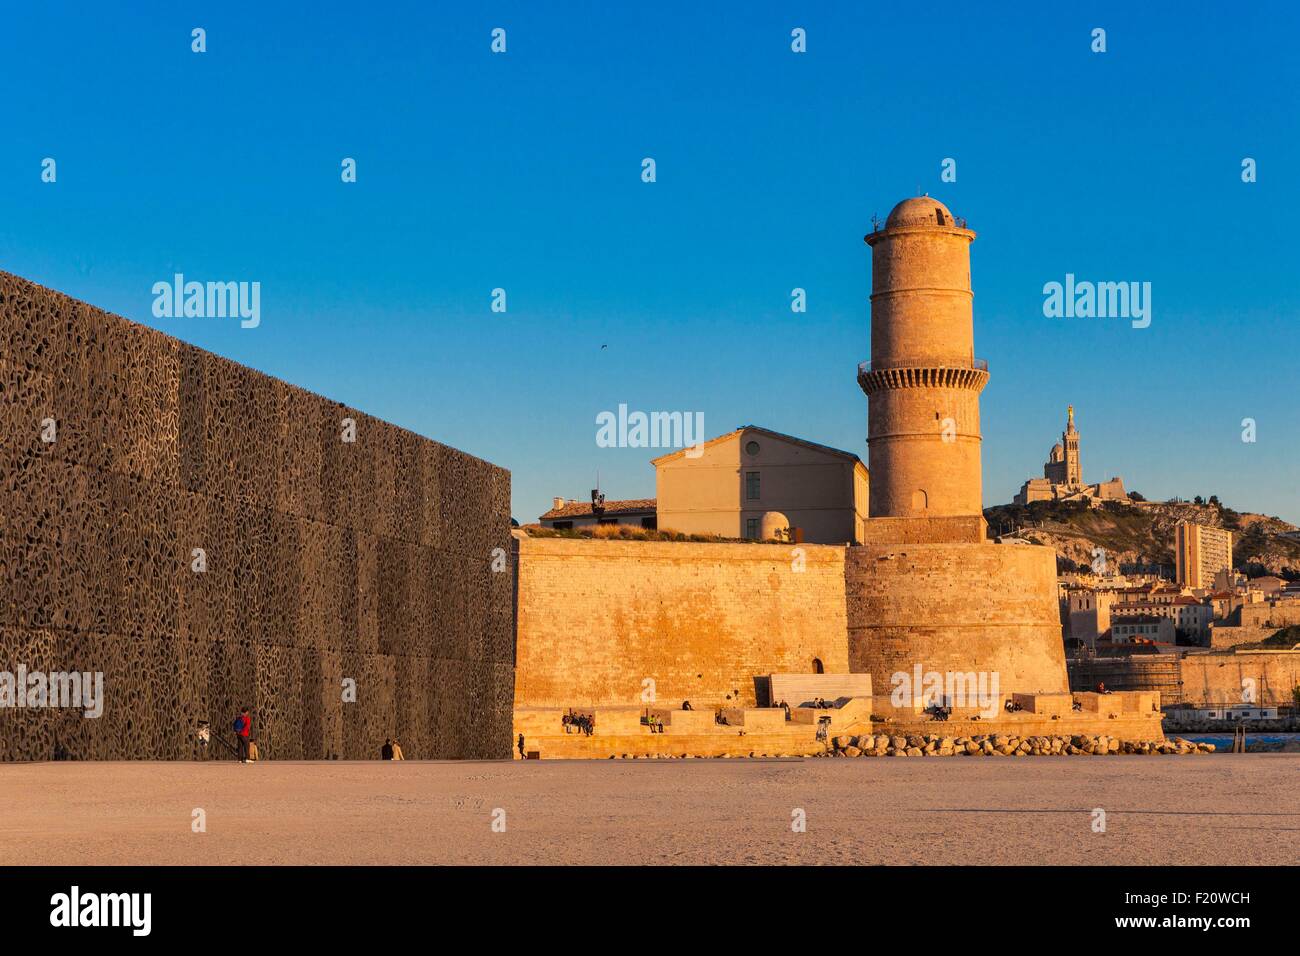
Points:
(1140, 535)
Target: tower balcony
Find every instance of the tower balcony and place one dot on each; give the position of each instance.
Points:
(929, 219)
(878, 376)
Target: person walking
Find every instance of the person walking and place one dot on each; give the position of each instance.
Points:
(522, 755)
(243, 726)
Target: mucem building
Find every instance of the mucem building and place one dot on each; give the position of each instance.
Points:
(192, 537)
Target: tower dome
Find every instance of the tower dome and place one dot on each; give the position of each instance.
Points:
(1057, 453)
(919, 211)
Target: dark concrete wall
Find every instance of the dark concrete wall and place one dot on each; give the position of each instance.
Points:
(325, 559)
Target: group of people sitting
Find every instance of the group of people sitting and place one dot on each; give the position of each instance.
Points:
(938, 712)
(654, 722)
(582, 723)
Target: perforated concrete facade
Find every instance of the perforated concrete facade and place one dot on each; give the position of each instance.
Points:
(325, 560)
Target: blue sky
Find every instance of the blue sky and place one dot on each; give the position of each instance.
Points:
(522, 171)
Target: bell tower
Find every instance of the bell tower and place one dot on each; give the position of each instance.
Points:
(1070, 441)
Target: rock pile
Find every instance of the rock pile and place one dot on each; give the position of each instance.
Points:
(1002, 745)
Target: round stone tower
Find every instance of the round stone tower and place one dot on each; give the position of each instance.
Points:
(923, 380)
(926, 588)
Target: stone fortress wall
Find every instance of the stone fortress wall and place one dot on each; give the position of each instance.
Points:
(325, 559)
(959, 608)
(596, 618)
(1271, 615)
(1267, 678)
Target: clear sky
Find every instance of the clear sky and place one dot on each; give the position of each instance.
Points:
(522, 171)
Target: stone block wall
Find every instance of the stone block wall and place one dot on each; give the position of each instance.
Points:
(1269, 677)
(1275, 616)
(971, 529)
(596, 618)
(1223, 637)
(325, 559)
(956, 608)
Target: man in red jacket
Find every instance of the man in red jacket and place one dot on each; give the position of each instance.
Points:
(243, 724)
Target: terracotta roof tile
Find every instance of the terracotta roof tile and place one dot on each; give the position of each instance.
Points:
(582, 509)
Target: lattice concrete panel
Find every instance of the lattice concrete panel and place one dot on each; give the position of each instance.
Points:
(326, 560)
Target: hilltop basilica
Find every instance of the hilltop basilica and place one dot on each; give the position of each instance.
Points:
(1063, 478)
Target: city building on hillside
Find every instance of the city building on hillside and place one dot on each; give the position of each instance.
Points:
(1090, 608)
(1110, 580)
(1201, 552)
(566, 515)
(1229, 580)
(1270, 585)
(1224, 603)
(1092, 611)
(1132, 629)
(729, 484)
(1191, 618)
(1088, 615)
(1166, 594)
(1063, 475)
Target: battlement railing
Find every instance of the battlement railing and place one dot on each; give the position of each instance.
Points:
(981, 365)
(879, 225)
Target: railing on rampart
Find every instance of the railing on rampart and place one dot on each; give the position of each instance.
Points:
(879, 225)
(979, 365)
